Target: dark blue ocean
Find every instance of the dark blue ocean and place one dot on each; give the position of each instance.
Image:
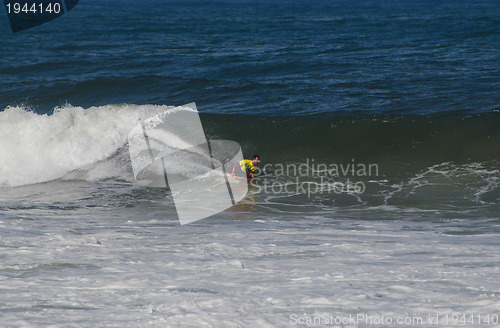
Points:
(263, 58)
(397, 99)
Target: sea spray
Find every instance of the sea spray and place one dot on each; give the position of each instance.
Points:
(37, 148)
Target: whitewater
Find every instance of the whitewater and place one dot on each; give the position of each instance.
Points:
(38, 148)
(106, 255)
(83, 245)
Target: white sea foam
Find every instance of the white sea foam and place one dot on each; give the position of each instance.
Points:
(37, 148)
(222, 274)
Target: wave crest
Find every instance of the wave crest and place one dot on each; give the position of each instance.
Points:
(36, 148)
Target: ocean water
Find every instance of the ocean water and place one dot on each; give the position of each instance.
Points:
(378, 196)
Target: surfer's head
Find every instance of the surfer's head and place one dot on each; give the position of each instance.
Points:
(255, 160)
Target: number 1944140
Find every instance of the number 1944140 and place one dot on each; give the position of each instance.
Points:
(33, 8)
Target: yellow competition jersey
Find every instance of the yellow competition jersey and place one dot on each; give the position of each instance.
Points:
(247, 164)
